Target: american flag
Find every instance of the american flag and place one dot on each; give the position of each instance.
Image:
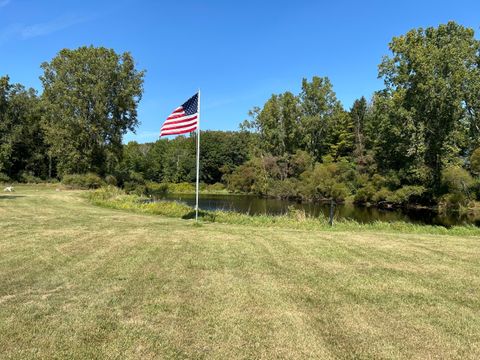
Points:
(183, 119)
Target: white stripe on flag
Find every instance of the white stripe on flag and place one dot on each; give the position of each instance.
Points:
(183, 118)
(174, 131)
(176, 115)
(180, 125)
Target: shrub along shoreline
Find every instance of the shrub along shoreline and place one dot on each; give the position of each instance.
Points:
(405, 197)
(115, 198)
(400, 199)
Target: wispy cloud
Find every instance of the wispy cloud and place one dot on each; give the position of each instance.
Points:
(218, 103)
(50, 27)
(142, 136)
(4, 3)
(23, 31)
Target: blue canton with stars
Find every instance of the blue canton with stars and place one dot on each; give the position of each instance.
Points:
(191, 105)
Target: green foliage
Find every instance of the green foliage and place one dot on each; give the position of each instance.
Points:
(82, 181)
(320, 113)
(358, 115)
(221, 152)
(22, 145)
(247, 178)
(475, 161)
(430, 82)
(365, 194)
(475, 189)
(217, 187)
(413, 143)
(268, 175)
(298, 163)
(409, 194)
(91, 97)
(382, 195)
(106, 193)
(4, 178)
(457, 182)
(159, 189)
(111, 180)
(278, 124)
(285, 189)
(456, 179)
(455, 201)
(29, 178)
(327, 180)
(156, 189)
(185, 188)
(173, 161)
(114, 198)
(313, 121)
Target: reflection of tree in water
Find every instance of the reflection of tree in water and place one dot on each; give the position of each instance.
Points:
(253, 205)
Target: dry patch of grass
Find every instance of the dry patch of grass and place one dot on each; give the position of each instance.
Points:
(79, 281)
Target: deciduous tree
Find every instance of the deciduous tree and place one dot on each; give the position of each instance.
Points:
(91, 96)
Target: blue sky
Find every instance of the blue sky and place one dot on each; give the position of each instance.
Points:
(238, 53)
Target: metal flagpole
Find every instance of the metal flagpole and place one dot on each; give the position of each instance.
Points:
(198, 157)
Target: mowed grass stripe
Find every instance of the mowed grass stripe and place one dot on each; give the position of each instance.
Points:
(80, 281)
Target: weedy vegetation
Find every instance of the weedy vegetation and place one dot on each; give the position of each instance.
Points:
(83, 281)
(115, 198)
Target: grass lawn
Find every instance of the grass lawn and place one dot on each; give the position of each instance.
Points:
(79, 281)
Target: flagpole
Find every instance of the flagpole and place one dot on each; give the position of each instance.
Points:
(198, 159)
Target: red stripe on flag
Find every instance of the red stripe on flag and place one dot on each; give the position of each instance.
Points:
(179, 132)
(181, 126)
(178, 122)
(177, 115)
(191, 118)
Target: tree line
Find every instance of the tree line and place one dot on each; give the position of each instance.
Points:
(89, 101)
(414, 141)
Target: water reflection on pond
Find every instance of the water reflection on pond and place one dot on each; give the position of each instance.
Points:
(254, 205)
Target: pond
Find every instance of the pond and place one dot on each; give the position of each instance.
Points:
(253, 205)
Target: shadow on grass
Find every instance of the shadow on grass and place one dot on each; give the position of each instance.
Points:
(10, 197)
(203, 215)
